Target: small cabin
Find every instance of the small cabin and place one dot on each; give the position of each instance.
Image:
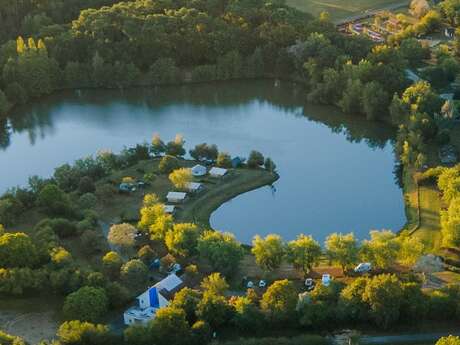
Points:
(176, 197)
(218, 172)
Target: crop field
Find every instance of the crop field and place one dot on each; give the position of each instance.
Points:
(342, 9)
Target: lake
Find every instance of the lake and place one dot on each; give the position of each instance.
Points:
(336, 171)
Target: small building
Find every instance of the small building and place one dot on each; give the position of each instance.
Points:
(156, 297)
(176, 197)
(194, 187)
(199, 170)
(170, 209)
(218, 172)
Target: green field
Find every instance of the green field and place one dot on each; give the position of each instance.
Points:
(341, 9)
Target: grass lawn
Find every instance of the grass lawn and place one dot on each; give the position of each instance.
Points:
(340, 9)
(430, 205)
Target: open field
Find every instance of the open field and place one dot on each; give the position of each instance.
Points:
(341, 9)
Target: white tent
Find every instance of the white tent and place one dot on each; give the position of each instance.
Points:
(176, 197)
(217, 172)
(199, 170)
(194, 186)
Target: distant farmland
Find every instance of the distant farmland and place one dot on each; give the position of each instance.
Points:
(341, 9)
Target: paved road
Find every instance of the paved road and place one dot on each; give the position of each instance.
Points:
(421, 338)
(370, 13)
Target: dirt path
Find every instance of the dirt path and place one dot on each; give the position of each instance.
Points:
(370, 13)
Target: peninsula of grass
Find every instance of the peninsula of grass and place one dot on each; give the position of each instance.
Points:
(197, 208)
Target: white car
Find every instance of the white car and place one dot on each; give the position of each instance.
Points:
(326, 279)
(250, 284)
(363, 267)
(309, 284)
(262, 284)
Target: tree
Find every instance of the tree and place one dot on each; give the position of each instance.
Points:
(168, 164)
(224, 160)
(60, 257)
(256, 159)
(303, 253)
(146, 254)
(450, 224)
(156, 221)
(342, 249)
(411, 249)
(351, 102)
(82, 333)
(112, 263)
(247, 317)
(181, 178)
(375, 101)
(187, 300)
(269, 165)
(176, 147)
(215, 284)
(4, 106)
(279, 301)
(214, 309)
(86, 304)
(384, 295)
(382, 249)
(182, 239)
(450, 340)
(164, 71)
(158, 146)
(221, 250)
(123, 236)
(169, 327)
(53, 200)
(351, 305)
(134, 274)
(17, 250)
(204, 151)
(269, 252)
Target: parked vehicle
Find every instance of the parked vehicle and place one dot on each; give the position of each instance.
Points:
(326, 279)
(262, 283)
(363, 267)
(309, 284)
(250, 284)
(175, 268)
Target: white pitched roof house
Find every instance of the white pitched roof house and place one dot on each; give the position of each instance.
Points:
(169, 209)
(176, 197)
(217, 172)
(150, 301)
(199, 170)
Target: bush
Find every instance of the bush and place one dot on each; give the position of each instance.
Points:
(87, 201)
(86, 304)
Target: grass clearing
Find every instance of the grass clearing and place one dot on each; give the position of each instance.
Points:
(340, 9)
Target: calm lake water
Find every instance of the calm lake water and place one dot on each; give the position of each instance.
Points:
(336, 171)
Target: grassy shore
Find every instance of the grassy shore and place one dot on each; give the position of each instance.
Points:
(339, 9)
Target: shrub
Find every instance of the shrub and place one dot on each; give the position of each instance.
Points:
(86, 304)
(168, 164)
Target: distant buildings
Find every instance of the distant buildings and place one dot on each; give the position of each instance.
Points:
(199, 170)
(176, 197)
(218, 172)
(156, 297)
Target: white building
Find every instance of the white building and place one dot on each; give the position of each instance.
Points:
(151, 300)
(199, 170)
(176, 197)
(218, 172)
(194, 187)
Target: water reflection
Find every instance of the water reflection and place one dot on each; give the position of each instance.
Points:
(336, 170)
